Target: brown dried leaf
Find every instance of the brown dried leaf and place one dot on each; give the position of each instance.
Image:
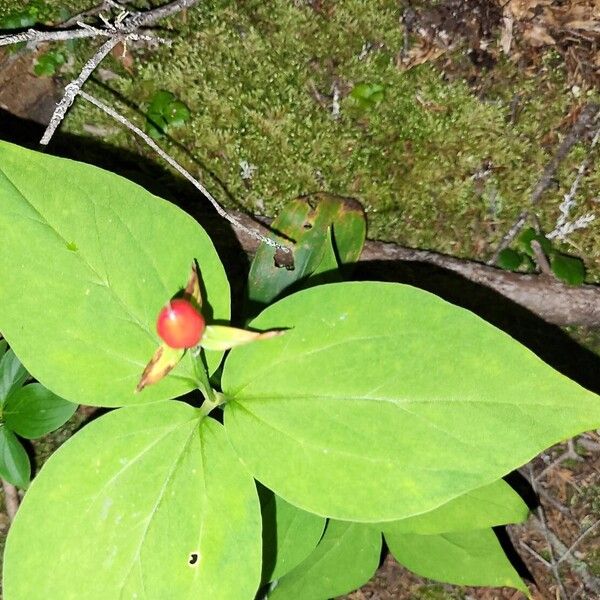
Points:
(161, 364)
(538, 36)
(192, 288)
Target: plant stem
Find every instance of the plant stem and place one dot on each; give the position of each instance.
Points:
(209, 405)
(202, 376)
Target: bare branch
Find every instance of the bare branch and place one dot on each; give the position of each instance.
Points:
(541, 260)
(584, 122)
(563, 226)
(578, 540)
(162, 12)
(73, 88)
(171, 161)
(33, 35)
(107, 5)
(546, 532)
(125, 27)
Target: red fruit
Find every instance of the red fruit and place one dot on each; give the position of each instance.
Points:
(180, 325)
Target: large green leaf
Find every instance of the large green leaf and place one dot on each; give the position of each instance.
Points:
(289, 535)
(14, 462)
(12, 375)
(383, 401)
(33, 411)
(462, 558)
(491, 505)
(146, 502)
(346, 557)
(308, 222)
(91, 259)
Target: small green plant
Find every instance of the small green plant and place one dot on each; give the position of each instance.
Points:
(367, 95)
(29, 411)
(569, 269)
(47, 64)
(270, 460)
(165, 111)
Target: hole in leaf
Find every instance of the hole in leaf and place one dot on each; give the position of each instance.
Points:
(193, 560)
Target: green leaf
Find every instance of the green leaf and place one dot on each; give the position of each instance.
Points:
(84, 324)
(289, 535)
(346, 557)
(165, 111)
(510, 259)
(307, 221)
(145, 502)
(327, 269)
(529, 235)
(34, 411)
(3, 348)
(177, 113)
(368, 95)
(461, 558)
(488, 506)
(12, 375)
(383, 401)
(14, 462)
(47, 64)
(569, 269)
(160, 102)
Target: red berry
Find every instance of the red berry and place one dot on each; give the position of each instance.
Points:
(180, 325)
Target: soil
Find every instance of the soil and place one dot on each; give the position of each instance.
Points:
(559, 545)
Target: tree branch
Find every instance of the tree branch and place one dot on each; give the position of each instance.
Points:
(125, 27)
(74, 87)
(547, 297)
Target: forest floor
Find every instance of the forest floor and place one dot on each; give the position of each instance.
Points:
(474, 98)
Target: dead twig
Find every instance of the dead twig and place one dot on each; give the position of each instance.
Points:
(251, 231)
(106, 6)
(74, 87)
(541, 260)
(126, 26)
(563, 226)
(569, 454)
(578, 540)
(591, 582)
(535, 554)
(583, 123)
(546, 533)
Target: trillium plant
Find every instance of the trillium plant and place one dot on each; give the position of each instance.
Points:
(266, 460)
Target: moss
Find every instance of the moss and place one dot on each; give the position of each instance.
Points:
(259, 77)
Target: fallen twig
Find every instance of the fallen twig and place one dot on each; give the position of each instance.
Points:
(541, 260)
(74, 87)
(125, 27)
(545, 531)
(583, 123)
(563, 226)
(578, 541)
